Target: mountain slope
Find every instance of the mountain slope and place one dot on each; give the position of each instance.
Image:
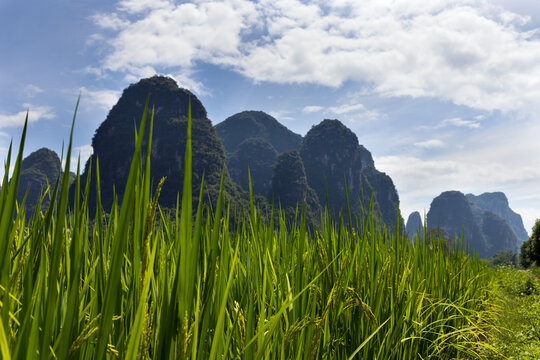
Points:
(256, 124)
(336, 163)
(113, 143)
(37, 169)
(497, 203)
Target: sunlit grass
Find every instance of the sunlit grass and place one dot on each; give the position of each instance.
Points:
(147, 283)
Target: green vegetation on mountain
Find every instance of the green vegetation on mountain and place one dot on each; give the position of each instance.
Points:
(530, 249)
(38, 169)
(256, 124)
(385, 194)
(257, 156)
(290, 189)
(113, 143)
(335, 163)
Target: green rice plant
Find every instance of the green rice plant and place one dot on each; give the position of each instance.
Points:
(139, 281)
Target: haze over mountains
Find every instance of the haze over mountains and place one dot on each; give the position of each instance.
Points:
(286, 169)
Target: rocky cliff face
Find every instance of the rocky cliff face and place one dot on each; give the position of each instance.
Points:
(113, 142)
(485, 232)
(336, 162)
(414, 222)
(497, 203)
(256, 124)
(290, 188)
(36, 169)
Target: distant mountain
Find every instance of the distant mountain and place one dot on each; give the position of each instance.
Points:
(485, 232)
(113, 143)
(497, 203)
(290, 188)
(256, 124)
(498, 234)
(36, 169)
(452, 212)
(335, 161)
(414, 222)
(257, 155)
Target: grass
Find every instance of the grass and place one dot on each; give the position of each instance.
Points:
(147, 283)
(517, 334)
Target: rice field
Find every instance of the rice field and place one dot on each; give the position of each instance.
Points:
(136, 281)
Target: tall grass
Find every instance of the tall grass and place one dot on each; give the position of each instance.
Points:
(147, 283)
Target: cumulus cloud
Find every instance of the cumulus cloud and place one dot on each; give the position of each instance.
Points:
(84, 152)
(312, 109)
(103, 99)
(464, 51)
(281, 115)
(109, 21)
(348, 111)
(347, 108)
(459, 123)
(419, 180)
(430, 144)
(35, 113)
(32, 90)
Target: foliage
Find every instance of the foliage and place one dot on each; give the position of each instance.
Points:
(517, 310)
(259, 157)
(336, 164)
(290, 189)
(144, 283)
(530, 249)
(507, 258)
(385, 195)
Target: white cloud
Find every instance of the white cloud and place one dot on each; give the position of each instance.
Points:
(281, 115)
(312, 109)
(104, 99)
(32, 90)
(480, 117)
(528, 215)
(35, 113)
(464, 51)
(419, 180)
(459, 123)
(109, 21)
(347, 108)
(430, 144)
(186, 80)
(137, 6)
(84, 152)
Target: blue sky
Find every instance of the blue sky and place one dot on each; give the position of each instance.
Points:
(445, 93)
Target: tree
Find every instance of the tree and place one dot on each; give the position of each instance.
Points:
(504, 257)
(530, 249)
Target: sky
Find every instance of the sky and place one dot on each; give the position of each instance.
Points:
(444, 93)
